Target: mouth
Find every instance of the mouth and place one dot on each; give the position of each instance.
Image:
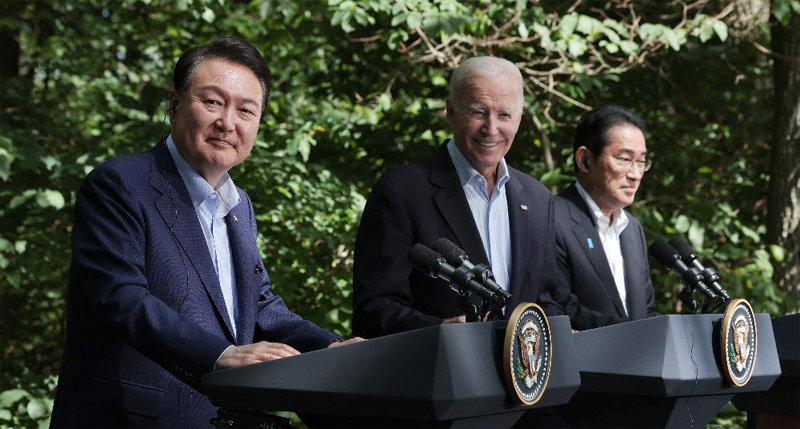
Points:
(485, 144)
(219, 142)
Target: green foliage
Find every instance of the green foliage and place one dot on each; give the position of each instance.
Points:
(359, 88)
(28, 402)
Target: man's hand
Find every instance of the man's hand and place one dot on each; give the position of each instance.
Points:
(457, 319)
(350, 341)
(254, 353)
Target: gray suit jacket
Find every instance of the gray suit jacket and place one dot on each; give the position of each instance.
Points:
(585, 287)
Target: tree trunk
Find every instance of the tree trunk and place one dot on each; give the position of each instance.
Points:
(783, 220)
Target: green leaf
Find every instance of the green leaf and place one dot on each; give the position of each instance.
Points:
(10, 397)
(209, 16)
(568, 24)
(50, 198)
(682, 224)
(523, 30)
(36, 408)
(721, 29)
(778, 253)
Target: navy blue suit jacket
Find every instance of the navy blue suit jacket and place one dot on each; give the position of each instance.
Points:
(585, 288)
(145, 312)
(419, 203)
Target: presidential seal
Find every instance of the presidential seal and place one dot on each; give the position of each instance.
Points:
(527, 353)
(738, 341)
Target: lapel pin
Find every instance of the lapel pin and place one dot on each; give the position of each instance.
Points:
(523, 207)
(258, 269)
(235, 219)
(590, 243)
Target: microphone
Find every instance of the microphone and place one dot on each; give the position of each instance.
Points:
(710, 275)
(690, 277)
(458, 257)
(434, 265)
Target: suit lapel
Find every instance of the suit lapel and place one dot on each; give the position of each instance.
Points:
(246, 269)
(176, 208)
(452, 203)
(586, 229)
(633, 264)
(519, 217)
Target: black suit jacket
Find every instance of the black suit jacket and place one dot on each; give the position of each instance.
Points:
(585, 287)
(420, 203)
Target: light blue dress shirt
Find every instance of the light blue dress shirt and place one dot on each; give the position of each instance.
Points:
(490, 213)
(211, 206)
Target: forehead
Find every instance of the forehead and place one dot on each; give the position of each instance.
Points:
(500, 91)
(625, 138)
(224, 73)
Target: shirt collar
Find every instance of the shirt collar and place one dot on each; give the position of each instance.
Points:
(466, 173)
(199, 189)
(602, 220)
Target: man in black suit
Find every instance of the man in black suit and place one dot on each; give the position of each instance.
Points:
(466, 193)
(603, 276)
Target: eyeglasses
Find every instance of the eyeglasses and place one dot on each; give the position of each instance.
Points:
(626, 163)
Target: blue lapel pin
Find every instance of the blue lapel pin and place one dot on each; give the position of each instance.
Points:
(590, 243)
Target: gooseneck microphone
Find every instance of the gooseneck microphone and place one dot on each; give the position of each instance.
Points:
(710, 275)
(457, 257)
(691, 277)
(434, 265)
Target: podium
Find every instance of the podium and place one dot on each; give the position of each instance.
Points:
(441, 376)
(780, 405)
(660, 372)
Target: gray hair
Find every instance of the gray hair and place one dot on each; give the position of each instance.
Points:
(482, 67)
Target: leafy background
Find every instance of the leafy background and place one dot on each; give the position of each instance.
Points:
(359, 89)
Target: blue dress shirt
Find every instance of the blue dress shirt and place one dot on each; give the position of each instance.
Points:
(211, 206)
(490, 213)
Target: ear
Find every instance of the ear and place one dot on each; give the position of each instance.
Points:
(583, 158)
(172, 103)
(448, 107)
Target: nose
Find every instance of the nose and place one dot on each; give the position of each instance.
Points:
(490, 125)
(635, 172)
(225, 120)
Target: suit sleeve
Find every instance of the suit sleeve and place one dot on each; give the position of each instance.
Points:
(381, 274)
(110, 277)
(276, 323)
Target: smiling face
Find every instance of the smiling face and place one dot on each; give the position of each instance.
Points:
(485, 118)
(215, 123)
(611, 185)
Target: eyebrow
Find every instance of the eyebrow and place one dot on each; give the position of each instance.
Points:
(219, 90)
(628, 151)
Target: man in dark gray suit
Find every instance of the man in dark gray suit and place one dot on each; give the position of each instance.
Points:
(603, 276)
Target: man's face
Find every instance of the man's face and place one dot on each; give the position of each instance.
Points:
(610, 181)
(485, 119)
(215, 123)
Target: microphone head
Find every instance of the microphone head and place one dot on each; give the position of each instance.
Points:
(686, 251)
(453, 254)
(425, 259)
(664, 253)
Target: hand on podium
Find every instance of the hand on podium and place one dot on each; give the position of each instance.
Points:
(248, 354)
(345, 342)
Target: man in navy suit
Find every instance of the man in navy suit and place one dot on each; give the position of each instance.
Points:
(465, 193)
(166, 281)
(603, 271)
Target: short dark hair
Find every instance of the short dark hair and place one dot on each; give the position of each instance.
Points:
(231, 49)
(593, 127)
